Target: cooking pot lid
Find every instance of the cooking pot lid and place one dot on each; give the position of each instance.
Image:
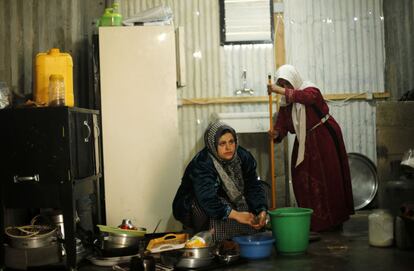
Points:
(364, 179)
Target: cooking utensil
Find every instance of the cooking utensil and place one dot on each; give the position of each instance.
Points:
(115, 240)
(202, 252)
(364, 179)
(167, 242)
(156, 227)
(31, 236)
(185, 262)
(110, 261)
(114, 244)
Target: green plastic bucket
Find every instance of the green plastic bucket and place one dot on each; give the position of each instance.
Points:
(290, 227)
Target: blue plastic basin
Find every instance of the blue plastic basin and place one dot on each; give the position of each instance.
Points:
(257, 246)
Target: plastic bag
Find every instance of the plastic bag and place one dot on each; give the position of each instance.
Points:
(408, 158)
(161, 14)
(201, 239)
(5, 95)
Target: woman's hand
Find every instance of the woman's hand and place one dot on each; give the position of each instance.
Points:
(260, 220)
(246, 218)
(275, 88)
(273, 134)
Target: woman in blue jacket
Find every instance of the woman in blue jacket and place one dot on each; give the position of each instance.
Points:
(220, 189)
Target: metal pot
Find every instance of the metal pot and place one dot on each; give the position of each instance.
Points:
(20, 237)
(187, 257)
(185, 262)
(203, 252)
(115, 244)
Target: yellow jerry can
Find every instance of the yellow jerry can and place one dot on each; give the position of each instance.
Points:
(53, 62)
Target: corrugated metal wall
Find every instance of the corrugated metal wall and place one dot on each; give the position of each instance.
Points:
(339, 45)
(317, 32)
(399, 44)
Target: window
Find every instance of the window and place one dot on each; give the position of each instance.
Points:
(246, 21)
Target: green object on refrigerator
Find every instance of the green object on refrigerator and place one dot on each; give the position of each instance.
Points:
(106, 18)
(117, 17)
(111, 16)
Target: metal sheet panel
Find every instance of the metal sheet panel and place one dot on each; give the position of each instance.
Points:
(399, 44)
(339, 45)
(317, 32)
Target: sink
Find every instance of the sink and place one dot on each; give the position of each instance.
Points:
(245, 122)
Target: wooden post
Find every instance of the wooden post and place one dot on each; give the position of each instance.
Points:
(280, 59)
(272, 147)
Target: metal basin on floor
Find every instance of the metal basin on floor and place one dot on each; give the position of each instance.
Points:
(364, 179)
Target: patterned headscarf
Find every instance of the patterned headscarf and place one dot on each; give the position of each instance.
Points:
(230, 171)
(212, 135)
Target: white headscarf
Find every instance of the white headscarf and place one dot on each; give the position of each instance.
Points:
(289, 73)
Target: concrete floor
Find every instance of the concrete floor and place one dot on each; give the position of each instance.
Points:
(343, 250)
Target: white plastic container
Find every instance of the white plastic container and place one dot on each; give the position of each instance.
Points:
(381, 228)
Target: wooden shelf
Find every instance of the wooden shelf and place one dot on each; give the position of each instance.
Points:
(265, 99)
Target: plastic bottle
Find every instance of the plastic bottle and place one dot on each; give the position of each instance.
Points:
(56, 90)
(106, 18)
(116, 15)
(381, 228)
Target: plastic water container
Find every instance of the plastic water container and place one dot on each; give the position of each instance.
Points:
(290, 227)
(53, 62)
(381, 228)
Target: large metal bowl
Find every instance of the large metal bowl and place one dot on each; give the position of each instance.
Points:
(202, 252)
(192, 263)
(115, 244)
(364, 179)
(31, 236)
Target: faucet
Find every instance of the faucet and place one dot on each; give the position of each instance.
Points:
(244, 83)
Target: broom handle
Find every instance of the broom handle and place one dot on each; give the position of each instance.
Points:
(272, 147)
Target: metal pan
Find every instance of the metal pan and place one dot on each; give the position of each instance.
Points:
(364, 179)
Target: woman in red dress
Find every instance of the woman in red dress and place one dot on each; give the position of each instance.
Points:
(320, 169)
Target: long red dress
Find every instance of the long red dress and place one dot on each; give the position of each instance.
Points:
(322, 181)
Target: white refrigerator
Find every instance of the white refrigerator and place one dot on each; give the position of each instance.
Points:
(139, 125)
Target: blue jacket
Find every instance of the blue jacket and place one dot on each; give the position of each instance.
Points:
(202, 182)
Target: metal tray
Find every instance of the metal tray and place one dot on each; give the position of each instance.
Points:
(364, 179)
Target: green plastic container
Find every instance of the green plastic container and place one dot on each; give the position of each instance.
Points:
(290, 227)
(107, 19)
(116, 14)
(111, 16)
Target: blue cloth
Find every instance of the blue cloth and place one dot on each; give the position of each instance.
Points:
(202, 183)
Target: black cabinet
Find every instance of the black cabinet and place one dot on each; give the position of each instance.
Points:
(51, 158)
